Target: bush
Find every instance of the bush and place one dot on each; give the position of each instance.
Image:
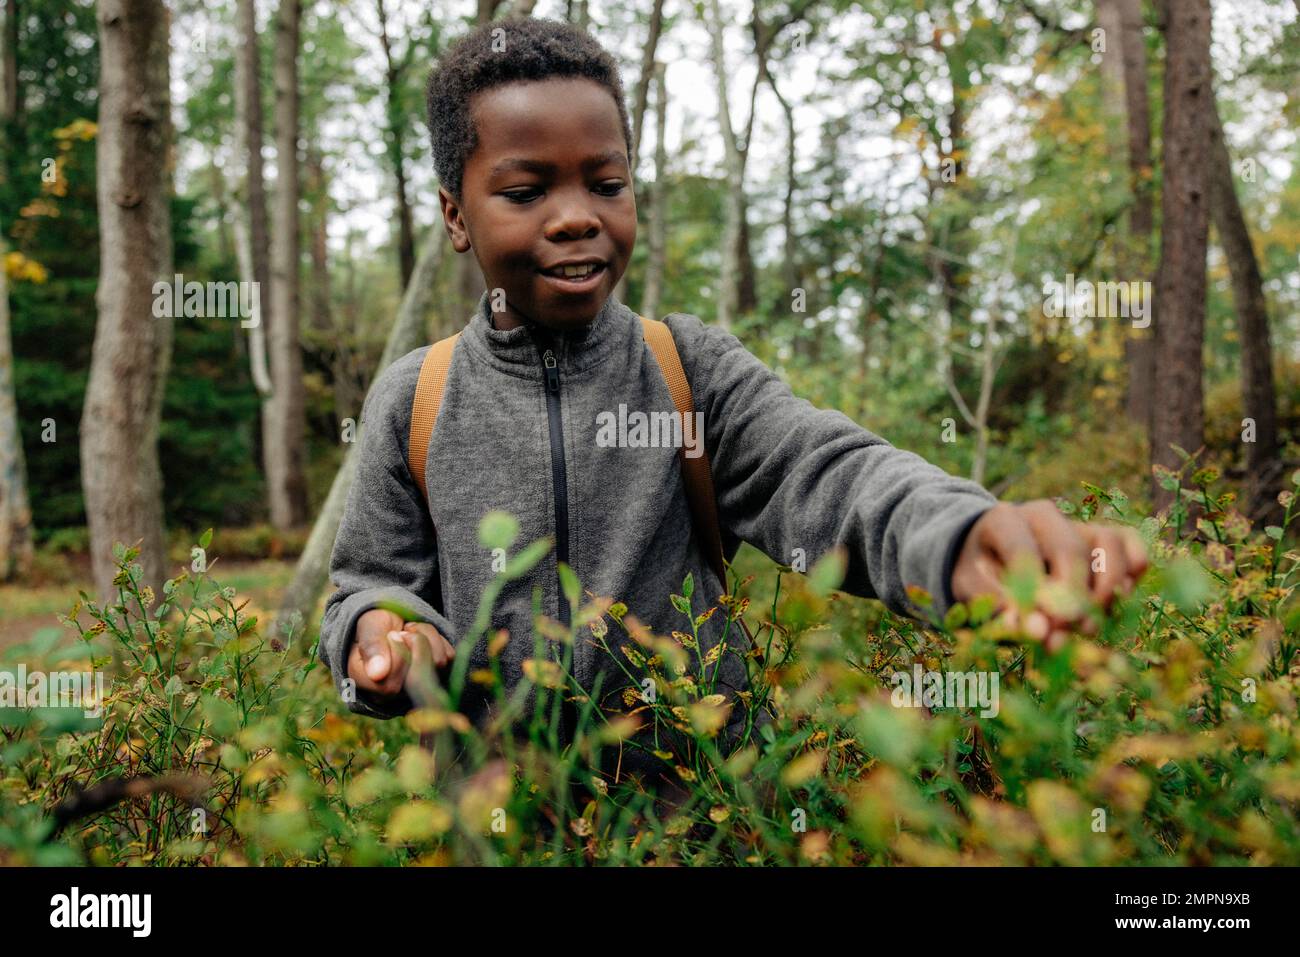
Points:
(1168, 737)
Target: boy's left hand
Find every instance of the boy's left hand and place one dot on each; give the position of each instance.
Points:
(1036, 534)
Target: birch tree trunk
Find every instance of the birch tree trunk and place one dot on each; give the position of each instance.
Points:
(15, 508)
(639, 100)
(1178, 404)
(729, 271)
(658, 232)
(252, 240)
(121, 475)
(284, 416)
(408, 332)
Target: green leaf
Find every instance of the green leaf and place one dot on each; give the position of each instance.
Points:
(569, 584)
(1022, 580)
(688, 585)
(205, 540)
(681, 604)
(828, 573)
(956, 617)
(981, 608)
(404, 612)
(498, 529)
(526, 560)
(1186, 585)
(1274, 532)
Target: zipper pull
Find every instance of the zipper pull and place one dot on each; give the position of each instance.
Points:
(552, 373)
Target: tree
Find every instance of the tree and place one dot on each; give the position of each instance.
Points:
(1178, 403)
(15, 512)
(657, 236)
(253, 241)
(409, 331)
(284, 416)
(12, 89)
(1259, 398)
(639, 99)
(396, 69)
(1126, 62)
(120, 469)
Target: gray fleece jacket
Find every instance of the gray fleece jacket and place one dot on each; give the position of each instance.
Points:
(515, 435)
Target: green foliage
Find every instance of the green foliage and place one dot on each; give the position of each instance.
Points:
(1168, 737)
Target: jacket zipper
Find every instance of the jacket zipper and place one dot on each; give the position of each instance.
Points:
(559, 473)
(559, 481)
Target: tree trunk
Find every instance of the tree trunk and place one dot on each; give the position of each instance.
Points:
(225, 249)
(284, 416)
(408, 332)
(729, 272)
(397, 148)
(1178, 404)
(15, 509)
(639, 107)
(13, 91)
(121, 476)
(317, 187)
(1259, 400)
(1127, 53)
(658, 232)
(252, 239)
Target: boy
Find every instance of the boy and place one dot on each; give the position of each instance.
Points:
(531, 143)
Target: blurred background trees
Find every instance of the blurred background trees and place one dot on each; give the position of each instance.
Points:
(873, 195)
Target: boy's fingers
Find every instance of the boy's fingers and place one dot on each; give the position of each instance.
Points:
(1135, 553)
(1008, 536)
(400, 657)
(1109, 564)
(1060, 543)
(420, 681)
(440, 648)
(384, 649)
(976, 577)
(375, 655)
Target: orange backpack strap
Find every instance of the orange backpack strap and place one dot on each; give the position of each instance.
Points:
(424, 410)
(697, 475)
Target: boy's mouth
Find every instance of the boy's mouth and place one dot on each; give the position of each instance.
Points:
(575, 277)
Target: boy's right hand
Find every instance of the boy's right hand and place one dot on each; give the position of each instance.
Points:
(386, 649)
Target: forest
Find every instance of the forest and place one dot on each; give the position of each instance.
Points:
(1049, 245)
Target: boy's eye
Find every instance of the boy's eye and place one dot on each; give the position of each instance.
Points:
(521, 196)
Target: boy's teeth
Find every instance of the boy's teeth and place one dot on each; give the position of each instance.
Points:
(570, 271)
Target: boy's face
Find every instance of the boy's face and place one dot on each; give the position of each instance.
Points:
(548, 183)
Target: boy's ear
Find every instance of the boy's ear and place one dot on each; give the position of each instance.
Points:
(452, 219)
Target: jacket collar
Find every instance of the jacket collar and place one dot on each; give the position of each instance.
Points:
(515, 351)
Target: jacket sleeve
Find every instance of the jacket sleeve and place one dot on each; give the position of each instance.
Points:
(790, 476)
(385, 550)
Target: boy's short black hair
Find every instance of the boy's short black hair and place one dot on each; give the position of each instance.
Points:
(526, 49)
